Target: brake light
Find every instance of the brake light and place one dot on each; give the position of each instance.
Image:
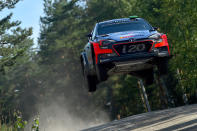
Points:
(98, 50)
(164, 42)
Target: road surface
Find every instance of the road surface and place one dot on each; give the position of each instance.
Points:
(178, 119)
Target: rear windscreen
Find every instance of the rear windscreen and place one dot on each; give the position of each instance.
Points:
(114, 27)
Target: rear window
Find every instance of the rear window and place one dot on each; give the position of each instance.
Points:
(108, 28)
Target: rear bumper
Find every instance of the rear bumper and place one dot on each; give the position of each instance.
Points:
(132, 62)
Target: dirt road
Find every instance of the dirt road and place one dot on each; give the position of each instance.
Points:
(181, 118)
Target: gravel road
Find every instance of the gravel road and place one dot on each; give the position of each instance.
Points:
(178, 119)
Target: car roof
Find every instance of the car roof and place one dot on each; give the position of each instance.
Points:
(117, 20)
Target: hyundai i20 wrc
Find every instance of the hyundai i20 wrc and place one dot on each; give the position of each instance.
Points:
(125, 46)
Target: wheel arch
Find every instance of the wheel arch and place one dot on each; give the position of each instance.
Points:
(93, 54)
(84, 62)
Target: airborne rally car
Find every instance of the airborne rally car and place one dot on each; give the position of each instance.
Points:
(127, 46)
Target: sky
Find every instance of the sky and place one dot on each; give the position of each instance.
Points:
(28, 12)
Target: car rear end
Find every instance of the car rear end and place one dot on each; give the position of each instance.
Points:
(123, 57)
(131, 52)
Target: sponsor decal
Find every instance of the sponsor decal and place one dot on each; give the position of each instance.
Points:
(123, 37)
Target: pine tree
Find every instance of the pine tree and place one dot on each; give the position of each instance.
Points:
(14, 40)
(15, 52)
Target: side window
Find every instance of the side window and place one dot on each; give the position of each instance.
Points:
(94, 32)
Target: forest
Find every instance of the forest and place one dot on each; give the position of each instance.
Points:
(30, 76)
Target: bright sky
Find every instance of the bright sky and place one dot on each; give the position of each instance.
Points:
(28, 12)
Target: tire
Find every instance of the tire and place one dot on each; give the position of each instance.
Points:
(149, 80)
(90, 82)
(101, 73)
(162, 67)
(147, 75)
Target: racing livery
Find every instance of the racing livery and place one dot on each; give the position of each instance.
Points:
(126, 46)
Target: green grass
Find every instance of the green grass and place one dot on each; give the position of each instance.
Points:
(6, 128)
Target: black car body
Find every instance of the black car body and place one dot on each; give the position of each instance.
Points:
(127, 45)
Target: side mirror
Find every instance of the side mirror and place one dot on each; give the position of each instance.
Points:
(89, 35)
(155, 28)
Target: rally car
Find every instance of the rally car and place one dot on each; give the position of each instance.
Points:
(126, 46)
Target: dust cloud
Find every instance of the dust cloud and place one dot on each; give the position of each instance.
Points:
(63, 103)
(62, 120)
(66, 114)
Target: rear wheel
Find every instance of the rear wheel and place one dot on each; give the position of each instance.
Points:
(90, 82)
(162, 66)
(149, 80)
(101, 73)
(147, 75)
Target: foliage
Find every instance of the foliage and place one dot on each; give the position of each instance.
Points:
(20, 123)
(35, 126)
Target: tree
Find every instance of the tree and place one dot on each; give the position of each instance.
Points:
(15, 50)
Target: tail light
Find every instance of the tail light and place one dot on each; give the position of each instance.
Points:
(98, 51)
(162, 43)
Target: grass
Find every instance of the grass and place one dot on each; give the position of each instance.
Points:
(6, 128)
